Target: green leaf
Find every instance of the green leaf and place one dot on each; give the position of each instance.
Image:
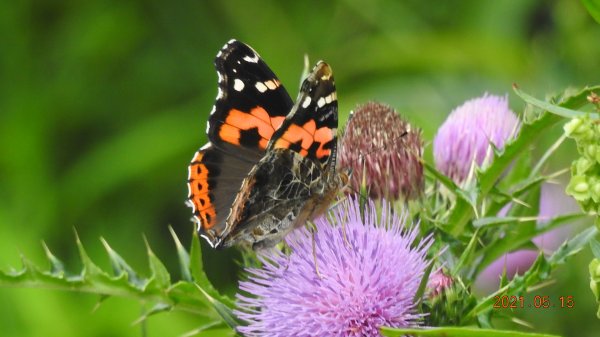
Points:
(593, 7)
(467, 254)
(538, 272)
(516, 239)
(121, 267)
(160, 278)
(443, 179)
(157, 308)
(206, 327)
(224, 311)
(501, 220)
(184, 258)
(458, 332)
(563, 110)
(57, 268)
(126, 282)
(197, 270)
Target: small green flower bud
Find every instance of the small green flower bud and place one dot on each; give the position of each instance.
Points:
(590, 150)
(581, 165)
(578, 188)
(571, 127)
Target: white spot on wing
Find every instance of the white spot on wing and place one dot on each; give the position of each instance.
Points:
(306, 102)
(220, 77)
(206, 146)
(238, 85)
(219, 95)
(271, 85)
(261, 87)
(251, 59)
(321, 102)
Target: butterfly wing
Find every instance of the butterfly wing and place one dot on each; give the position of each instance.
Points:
(311, 126)
(251, 104)
(290, 184)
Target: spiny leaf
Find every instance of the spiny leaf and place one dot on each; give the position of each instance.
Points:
(91, 279)
(57, 268)
(157, 308)
(160, 278)
(120, 266)
(224, 311)
(458, 332)
(184, 257)
(203, 328)
(89, 267)
(197, 269)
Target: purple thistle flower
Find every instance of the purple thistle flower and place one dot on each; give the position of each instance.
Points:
(466, 135)
(366, 282)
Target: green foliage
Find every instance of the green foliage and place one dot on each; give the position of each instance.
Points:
(593, 7)
(194, 293)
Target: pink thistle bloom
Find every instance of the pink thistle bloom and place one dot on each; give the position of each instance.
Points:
(367, 281)
(465, 137)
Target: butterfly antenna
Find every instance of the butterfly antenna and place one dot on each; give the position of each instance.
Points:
(305, 70)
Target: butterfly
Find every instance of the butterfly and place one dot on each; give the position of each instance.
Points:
(270, 163)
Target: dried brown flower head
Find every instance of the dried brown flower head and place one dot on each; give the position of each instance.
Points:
(383, 153)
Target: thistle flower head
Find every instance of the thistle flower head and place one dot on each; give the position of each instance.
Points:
(438, 282)
(467, 133)
(383, 152)
(367, 279)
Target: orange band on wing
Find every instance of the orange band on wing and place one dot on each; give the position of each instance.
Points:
(257, 118)
(198, 192)
(306, 135)
(323, 136)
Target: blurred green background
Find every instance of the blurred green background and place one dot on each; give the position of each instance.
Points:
(102, 105)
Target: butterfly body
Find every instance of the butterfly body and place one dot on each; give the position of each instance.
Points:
(270, 164)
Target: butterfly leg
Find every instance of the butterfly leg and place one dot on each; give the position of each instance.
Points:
(312, 228)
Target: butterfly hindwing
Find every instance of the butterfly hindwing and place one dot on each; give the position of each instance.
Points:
(251, 103)
(214, 178)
